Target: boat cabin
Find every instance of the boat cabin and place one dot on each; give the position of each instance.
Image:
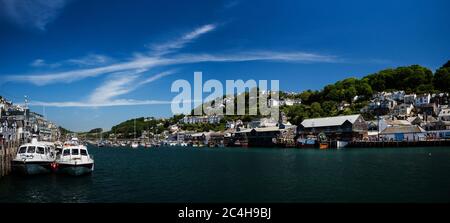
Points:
(42, 149)
(74, 151)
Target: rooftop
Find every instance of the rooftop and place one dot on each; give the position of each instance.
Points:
(402, 129)
(329, 121)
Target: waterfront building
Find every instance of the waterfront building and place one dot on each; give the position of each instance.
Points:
(410, 133)
(344, 128)
(258, 137)
(216, 139)
(200, 139)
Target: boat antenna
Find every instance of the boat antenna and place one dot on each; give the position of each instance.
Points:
(26, 102)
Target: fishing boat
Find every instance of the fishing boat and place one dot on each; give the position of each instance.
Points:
(75, 159)
(34, 158)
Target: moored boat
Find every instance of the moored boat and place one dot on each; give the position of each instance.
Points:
(134, 145)
(75, 159)
(34, 158)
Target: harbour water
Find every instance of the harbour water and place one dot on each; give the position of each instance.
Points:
(246, 175)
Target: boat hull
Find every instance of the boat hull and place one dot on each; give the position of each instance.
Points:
(75, 170)
(31, 168)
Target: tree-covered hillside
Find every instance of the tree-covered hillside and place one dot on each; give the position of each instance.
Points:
(318, 103)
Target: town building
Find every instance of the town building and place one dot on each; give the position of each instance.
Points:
(291, 102)
(410, 99)
(344, 128)
(410, 133)
(403, 110)
(444, 113)
(422, 99)
(212, 119)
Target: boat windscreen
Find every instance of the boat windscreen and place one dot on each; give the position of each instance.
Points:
(75, 152)
(40, 150)
(22, 149)
(31, 149)
(66, 152)
(83, 152)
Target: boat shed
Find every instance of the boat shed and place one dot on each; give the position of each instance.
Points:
(345, 128)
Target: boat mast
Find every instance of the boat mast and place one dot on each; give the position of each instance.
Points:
(135, 130)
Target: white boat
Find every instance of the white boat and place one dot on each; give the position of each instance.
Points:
(134, 145)
(74, 159)
(34, 158)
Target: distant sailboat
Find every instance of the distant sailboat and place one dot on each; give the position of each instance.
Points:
(100, 142)
(134, 144)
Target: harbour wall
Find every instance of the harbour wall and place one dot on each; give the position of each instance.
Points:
(7, 153)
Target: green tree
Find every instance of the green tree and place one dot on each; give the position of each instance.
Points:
(316, 110)
(442, 78)
(330, 108)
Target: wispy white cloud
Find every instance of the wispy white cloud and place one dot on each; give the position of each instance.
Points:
(90, 60)
(126, 76)
(112, 103)
(300, 57)
(169, 47)
(32, 13)
(150, 62)
(79, 74)
(118, 84)
(43, 63)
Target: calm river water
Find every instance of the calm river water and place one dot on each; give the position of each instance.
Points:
(246, 175)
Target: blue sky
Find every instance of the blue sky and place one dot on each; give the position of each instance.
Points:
(95, 63)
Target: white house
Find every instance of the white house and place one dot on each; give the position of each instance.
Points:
(423, 99)
(444, 114)
(403, 133)
(274, 103)
(291, 102)
(410, 99)
(403, 110)
(398, 95)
